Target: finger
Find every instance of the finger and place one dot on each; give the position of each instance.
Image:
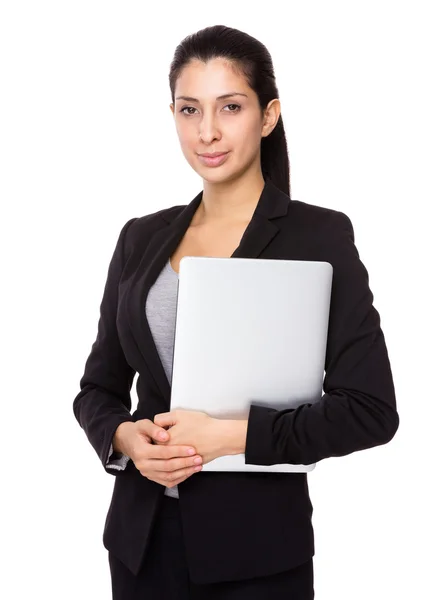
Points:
(165, 419)
(160, 435)
(181, 474)
(164, 452)
(155, 432)
(172, 465)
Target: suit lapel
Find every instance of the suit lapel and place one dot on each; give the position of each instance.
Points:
(261, 230)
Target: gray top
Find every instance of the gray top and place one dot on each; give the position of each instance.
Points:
(160, 309)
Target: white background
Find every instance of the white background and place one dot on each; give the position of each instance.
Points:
(87, 139)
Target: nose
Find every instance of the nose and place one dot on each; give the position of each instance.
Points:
(208, 130)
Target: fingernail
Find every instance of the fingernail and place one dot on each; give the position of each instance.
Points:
(191, 451)
(162, 435)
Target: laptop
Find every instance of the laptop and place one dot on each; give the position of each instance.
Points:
(249, 330)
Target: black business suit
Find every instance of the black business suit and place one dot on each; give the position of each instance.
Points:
(237, 525)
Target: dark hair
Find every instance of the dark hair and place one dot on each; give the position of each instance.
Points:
(251, 59)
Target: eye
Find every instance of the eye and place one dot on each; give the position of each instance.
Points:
(186, 108)
(237, 109)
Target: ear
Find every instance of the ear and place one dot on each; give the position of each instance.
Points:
(271, 116)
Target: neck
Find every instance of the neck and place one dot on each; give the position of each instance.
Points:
(229, 201)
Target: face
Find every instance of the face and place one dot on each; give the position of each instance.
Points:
(206, 123)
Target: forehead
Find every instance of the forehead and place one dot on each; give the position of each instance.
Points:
(209, 80)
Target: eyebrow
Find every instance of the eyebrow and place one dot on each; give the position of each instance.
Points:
(223, 97)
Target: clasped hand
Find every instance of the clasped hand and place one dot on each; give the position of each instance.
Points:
(197, 428)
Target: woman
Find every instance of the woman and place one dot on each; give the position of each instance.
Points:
(171, 531)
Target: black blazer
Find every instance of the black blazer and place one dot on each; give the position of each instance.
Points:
(237, 525)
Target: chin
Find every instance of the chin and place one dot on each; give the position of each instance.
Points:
(217, 179)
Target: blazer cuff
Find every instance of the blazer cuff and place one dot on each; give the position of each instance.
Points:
(259, 449)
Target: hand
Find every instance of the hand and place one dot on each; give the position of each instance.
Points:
(166, 465)
(193, 427)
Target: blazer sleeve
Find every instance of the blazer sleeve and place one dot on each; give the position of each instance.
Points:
(104, 400)
(358, 408)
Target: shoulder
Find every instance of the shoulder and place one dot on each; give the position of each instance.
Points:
(137, 231)
(152, 221)
(324, 233)
(320, 220)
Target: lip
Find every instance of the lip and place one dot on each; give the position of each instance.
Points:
(214, 160)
